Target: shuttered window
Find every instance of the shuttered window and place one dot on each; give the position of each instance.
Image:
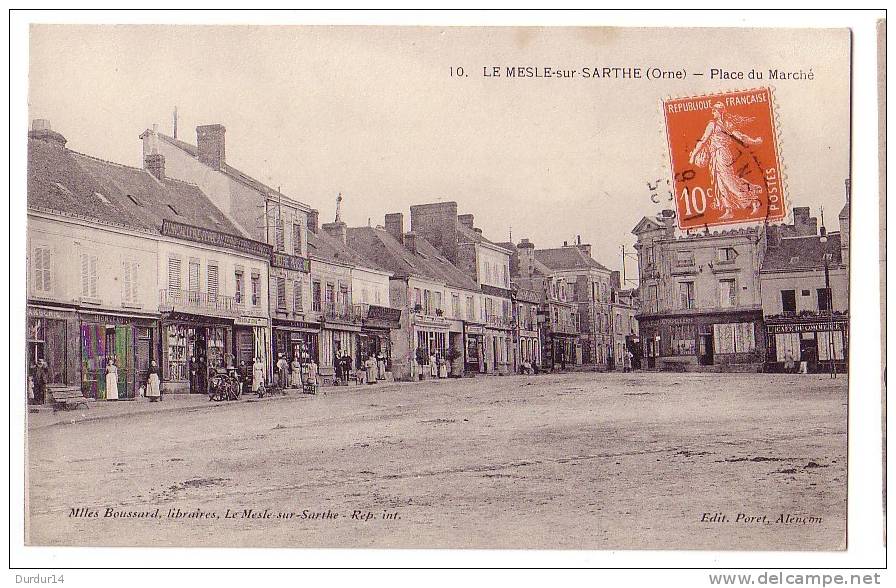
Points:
(281, 293)
(129, 282)
(193, 276)
(88, 275)
(297, 239)
(297, 296)
(174, 273)
(42, 275)
(212, 281)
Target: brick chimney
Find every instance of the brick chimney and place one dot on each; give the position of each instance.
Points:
(667, 219)
(410, 241)
(395, 225)
(40, 129)
(155, 164)
(437, 223)
(526, 251)
(313, 220)
(210, 142)
(466, 220)
(803, 224)
(337, 230)
(583, 247)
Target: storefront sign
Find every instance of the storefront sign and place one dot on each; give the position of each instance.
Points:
(40, 312)
(474, 330)
(250, 321)
(214, 238)
(806, 327)
(677, 321)
(290, 262)
(383, 313)
(493, 291)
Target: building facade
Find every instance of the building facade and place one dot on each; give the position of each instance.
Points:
(701, 307)
(805, 294)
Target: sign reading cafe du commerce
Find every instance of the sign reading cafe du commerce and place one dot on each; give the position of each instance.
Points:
(291, 262)
(215, 238)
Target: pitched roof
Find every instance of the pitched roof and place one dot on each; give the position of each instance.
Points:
(323, 247)
(387, 252)
(796, 253)
(566, 258)
(227, 169)
(71, 183)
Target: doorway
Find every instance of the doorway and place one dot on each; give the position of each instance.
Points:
(706, 349)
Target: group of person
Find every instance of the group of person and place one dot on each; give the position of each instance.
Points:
(369, 371)
(295, 374)
(438, 366)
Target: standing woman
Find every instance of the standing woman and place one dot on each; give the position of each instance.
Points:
(111, 380)
(296, 374)
(153, 383)
(257, 375)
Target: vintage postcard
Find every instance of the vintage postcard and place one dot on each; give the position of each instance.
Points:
(438, 287)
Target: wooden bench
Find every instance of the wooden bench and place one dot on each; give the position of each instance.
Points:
(66, 396)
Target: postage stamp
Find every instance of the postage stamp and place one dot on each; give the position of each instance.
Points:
(725, 160)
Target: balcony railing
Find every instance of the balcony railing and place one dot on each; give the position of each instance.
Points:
(343, 313)
(189, 300)
(498, 321)
(561, 326)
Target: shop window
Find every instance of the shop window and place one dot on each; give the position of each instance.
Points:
(830, 344)
(42, 282)
(734, 338)
(683, 340)
(88, 275)
(727, 293)
(788, 300)
(174, 273)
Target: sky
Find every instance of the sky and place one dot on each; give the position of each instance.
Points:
(376, 114)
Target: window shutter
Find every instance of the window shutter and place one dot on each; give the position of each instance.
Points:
(173, 274)
(48, 274)
(297, 296)
(281, 292)
(93, 276)
(212, 281)
(297, 239)
(126, 270)
(85, 275)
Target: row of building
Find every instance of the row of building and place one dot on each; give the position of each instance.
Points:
(195, 265)
(761, 298)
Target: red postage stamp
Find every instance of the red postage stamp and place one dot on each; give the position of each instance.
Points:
(724, 154)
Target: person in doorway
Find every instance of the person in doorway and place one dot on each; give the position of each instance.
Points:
(381, 366)
(433, 366)
(201, 375)
(282, 372)
(244, 376)
(296, 374)
(41, 377)
(111, 379)
(346, 365)
(443, 367)
(788, 362)
(257, 375)
(194, 375)
(338, 365)
(153, 382)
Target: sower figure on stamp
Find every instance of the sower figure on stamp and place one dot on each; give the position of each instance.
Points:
(719, 148)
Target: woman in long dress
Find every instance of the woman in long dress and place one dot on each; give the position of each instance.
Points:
(111, 380)
(719, 148)
(443, 367)
(296, 373)
(257, 374)
(153, 383)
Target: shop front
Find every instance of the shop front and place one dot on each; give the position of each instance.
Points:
(130, 340)
(816, 341)
(193, 345)
(473, 352)
(251, 340)
(731, 341)
(53, 337)
(375, 338)
(295, 339)
(431, 338)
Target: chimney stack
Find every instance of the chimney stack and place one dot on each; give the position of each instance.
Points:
(313, 221)
(410, 241)
(337, 230)
(155, 164)
(395, 225)
(40, 129)
(210, 143)
(466, 220)
(526, 252)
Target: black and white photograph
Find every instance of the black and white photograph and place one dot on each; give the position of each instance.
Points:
(439, 287)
